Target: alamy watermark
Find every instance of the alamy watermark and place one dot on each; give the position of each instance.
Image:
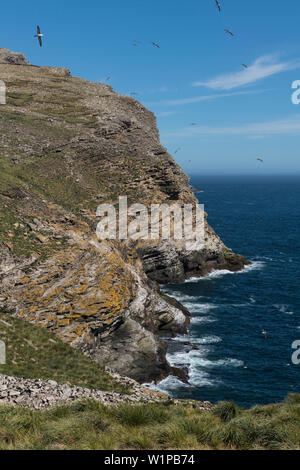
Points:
(296, 354)
(2, 353)
(2, 92)
(296, 94)
(183, 223)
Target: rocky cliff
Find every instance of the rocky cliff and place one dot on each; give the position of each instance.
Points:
(67, 145)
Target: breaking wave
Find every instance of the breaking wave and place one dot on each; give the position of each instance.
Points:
(255, 265)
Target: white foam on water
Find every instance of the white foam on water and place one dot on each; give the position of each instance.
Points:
(181, 297)
(186, 358)
(168, 385)
(197, 375)
(196, 340)
(255, 265)
(198, 320)
(200, 378)
(227, 362)
(198, 365)
(216, 274)
(207, 340)
(283, 309)
(181, 338)
(199, 307)
(198, 358)
(241, 305)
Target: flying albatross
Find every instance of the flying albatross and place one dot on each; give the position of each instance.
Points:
(218, 5)
(39, 35)
(244, 65)
(260, 160)
(229, 32)
(155, 45)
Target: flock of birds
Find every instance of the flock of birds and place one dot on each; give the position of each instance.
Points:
(227, 31)
(245, 66)
(136, 43)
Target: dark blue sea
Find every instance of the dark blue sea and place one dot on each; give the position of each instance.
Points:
(258, 217)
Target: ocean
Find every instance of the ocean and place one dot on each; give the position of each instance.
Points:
(244, 324)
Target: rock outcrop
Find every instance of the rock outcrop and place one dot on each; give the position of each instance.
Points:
(67, 145)
(13, 58)
(41, 394)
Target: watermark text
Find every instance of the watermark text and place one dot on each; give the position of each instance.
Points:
(159, 222)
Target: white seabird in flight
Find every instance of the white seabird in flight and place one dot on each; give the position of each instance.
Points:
(264, 333)
(39, 35)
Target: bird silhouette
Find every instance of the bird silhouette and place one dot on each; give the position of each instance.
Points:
(39, 35)
(244, 65)
(260, 160)
(218, 5)
(177, 150)
(155, 45)
(229, 32)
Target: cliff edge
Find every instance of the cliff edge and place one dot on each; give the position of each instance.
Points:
(67, 145)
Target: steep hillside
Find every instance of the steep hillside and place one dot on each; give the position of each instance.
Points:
(67, 145)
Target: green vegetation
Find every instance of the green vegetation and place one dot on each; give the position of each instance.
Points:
(34, 353)
(14, 194)
(18, 99)
(30, 121)
(90, 425)
(226, 411)
(15, 234)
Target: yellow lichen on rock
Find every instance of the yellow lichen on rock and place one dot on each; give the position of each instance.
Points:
(78, 290)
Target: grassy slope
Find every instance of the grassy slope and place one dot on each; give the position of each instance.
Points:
(90, 425)
(34, 353)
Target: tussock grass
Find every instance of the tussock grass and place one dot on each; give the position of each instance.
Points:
(226, 411)
(91, 425)
(139, 415)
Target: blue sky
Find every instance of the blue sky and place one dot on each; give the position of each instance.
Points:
(196, 77)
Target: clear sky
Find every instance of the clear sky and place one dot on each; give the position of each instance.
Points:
(196, 77)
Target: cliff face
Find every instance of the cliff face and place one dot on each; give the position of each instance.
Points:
(67, 145)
